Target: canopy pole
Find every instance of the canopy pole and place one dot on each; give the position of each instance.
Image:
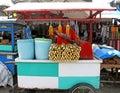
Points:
(91, 30)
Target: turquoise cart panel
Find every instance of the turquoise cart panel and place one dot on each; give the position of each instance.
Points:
(37, 69)
(7, 48)
(68, 82)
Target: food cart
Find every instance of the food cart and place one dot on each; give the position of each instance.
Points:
(82, 75)
(44, 74)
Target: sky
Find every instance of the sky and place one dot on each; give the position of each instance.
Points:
(6, 2)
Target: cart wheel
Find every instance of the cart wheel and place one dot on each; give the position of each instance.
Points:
(11, 91)
(30, 91)
(82, 88)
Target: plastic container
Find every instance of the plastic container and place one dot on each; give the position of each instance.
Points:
(26, 48)
(42, 47)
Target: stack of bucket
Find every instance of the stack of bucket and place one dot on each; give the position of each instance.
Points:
(37, 48)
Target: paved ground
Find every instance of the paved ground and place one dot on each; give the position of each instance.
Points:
(105, 88)
(109, 88)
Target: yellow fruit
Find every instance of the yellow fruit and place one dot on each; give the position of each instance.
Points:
(67, 29)
(60, 28)
(50, 30)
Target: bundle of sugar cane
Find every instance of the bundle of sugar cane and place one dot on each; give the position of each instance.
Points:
(64, 52)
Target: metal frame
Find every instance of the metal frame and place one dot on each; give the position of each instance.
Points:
(43, 10)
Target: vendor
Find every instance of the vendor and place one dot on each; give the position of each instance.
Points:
(28, 31)
(71, 37)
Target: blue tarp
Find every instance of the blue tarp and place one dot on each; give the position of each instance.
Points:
(105, 52)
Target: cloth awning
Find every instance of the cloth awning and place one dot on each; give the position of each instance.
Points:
(20, 7)
(32, 10)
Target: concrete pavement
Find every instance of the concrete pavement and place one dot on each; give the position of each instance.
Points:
(105, 88)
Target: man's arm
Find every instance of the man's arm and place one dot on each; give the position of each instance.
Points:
(67, 37)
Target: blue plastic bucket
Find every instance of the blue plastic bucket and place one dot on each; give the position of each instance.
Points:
(25, 48)
(42, 47)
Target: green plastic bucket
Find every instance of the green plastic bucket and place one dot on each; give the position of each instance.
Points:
(42, 47)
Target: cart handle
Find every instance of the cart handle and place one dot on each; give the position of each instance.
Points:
(8, 53)
(10, 62)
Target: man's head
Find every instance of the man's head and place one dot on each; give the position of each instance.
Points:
(65, 21)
